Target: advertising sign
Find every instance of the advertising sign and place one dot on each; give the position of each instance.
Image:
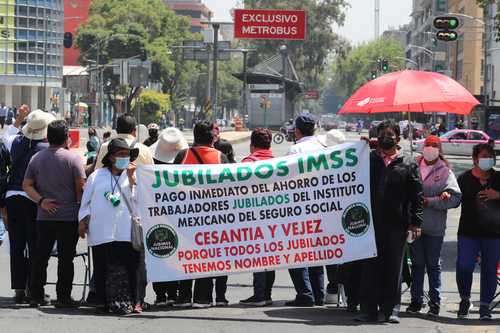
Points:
(270, 24)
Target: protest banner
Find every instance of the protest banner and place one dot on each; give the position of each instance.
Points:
(299, 210)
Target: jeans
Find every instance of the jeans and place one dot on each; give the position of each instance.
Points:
(468, 251)
(263, 285)
(309, 283)
(22, 235)
(66, 235)
(425, 256)
(333, 275)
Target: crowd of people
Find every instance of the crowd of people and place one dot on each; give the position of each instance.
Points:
(50, 197)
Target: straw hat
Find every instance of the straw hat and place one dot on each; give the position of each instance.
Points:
(169, 143)
(36, 125)
(332, 138)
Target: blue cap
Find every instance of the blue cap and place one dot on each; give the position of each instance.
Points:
(305, 119)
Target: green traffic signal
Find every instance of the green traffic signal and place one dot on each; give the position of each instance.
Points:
(385, 65)
(447, 36)
(446, 23)
(374, 75)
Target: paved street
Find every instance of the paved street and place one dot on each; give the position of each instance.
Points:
(235, 317)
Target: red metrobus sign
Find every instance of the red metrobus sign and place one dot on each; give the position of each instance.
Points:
(270, 24)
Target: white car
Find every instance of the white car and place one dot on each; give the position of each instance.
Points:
(459, 142)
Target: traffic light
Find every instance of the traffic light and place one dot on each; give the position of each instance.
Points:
(68, 40)
(374, 75)
(447, 36)
(385, 65)
(446, 26)
(446, 23)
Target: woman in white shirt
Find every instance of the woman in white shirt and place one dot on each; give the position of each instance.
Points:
(104, 216)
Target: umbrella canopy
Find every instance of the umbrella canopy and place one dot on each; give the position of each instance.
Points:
(81, 105)
(411, 91)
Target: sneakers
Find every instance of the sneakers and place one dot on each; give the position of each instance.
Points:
(394, 318)
(253, 301)
(222, 303)
(414, 308)
(319, 303)
(332, 299)
(137, 308)
(202, 304)
(433, 310)
(67, 303)
(485, 313)
(183, 303)
(464, 308)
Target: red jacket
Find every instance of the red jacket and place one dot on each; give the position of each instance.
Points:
(259, 155)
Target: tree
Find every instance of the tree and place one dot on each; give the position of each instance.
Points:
(153, 105)
(143, 28)
(351, 71)
(309, 56)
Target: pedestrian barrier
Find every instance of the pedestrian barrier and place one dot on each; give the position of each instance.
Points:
(497, 296)
(84, 255)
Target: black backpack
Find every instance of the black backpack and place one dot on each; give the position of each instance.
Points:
(4, 172)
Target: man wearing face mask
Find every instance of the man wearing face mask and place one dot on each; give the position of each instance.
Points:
(441, 192)
(478, 230)
(397, 207)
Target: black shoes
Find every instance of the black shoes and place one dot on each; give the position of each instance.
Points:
(37, 303)
(415, 308)
(297, 303)
(434, 310)
(67, 303)
(464, 309)
(485, 313)
(367, 318)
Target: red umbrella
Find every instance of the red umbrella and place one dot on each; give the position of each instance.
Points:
(411, 91)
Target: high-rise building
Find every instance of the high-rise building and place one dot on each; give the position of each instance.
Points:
(194, 9)
(28, 29)
(466, 55)
(76, 12)
(423, 48)
(398, 34)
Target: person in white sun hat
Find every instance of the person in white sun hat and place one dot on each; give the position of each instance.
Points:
(22, 142)
(332, 138)
(170, 142)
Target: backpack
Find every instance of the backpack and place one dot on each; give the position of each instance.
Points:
(4, 172)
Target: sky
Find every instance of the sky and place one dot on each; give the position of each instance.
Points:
(359, 24)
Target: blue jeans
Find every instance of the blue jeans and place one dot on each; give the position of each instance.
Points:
(2, 230)
(309, 283)
(263, 285)
(468, 251)
(425, 256)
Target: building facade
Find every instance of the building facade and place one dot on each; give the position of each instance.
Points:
(423, 48)
(466, 55)
(29, 30)
(398, 34)
(76, 12)
(194, 9)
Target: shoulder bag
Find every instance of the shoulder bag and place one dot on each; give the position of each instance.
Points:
(136, 235)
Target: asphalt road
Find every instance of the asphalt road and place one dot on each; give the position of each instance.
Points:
(235, 318)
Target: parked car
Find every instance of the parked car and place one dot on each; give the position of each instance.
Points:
(460, 142)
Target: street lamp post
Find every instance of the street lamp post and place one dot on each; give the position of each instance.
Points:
(45, 27)
(284, 57)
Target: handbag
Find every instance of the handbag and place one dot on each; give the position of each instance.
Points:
(489, 215)
(136, 235)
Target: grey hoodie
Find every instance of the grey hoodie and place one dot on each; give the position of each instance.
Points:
(440, 179)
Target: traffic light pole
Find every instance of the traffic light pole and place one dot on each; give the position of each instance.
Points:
(216, 27)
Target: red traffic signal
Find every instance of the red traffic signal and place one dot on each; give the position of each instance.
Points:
(447, 36)
(446, 23)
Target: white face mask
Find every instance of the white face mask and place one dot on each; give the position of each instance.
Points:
(486, 164)
(431, 153)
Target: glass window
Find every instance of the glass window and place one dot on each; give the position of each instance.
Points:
(22, 10)
(32, 35)
(32, 58)
(22, 22)
(32, 11)
(21, 69)
(39, 70)
(476, 136)
(22, 34)
(22, 45)
(39, 58)
(21, 57)
(31, 69)
(40, 24)
(458, 136)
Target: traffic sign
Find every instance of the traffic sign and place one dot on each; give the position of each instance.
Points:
(270, 24)
(264, 86)
(197, 50)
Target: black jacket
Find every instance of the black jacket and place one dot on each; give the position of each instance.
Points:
(396, 192)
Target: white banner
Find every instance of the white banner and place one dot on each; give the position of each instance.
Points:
(296, 211)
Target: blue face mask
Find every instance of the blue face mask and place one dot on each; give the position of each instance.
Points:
(122, 163)
(486, 164)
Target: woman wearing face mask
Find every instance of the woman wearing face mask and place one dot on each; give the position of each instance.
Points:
(104, 216)
(480, 205)
(441, 192)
